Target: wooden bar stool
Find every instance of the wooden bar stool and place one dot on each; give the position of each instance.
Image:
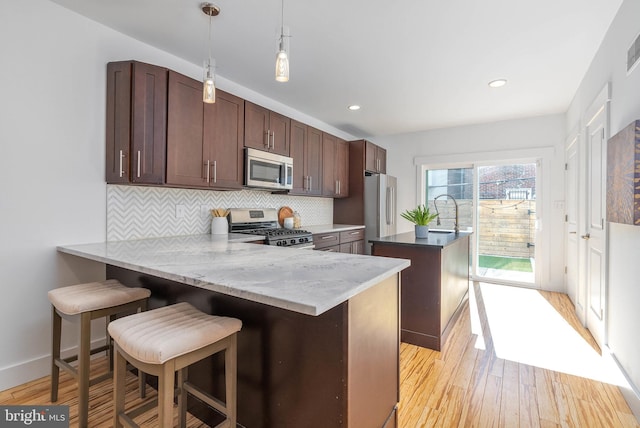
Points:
(83, 303)
(167, 340)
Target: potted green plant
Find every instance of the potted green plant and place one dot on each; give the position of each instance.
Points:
(421, 217)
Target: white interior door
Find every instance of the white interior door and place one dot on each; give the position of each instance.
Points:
(576, 293)
(595, 235)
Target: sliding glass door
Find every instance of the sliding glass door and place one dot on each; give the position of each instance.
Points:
(498, 203)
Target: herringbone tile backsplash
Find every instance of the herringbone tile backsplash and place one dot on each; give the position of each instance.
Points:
(135, 212)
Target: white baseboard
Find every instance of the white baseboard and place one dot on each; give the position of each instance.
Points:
(36, 368)
(630, 392)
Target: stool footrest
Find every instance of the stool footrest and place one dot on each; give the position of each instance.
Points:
(204, 397)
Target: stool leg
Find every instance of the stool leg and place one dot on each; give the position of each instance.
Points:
(119, 375)
(142, 376)
(56, 333)
(165, 395)
(182, 397)
(230, 377)
(83, 369)
(109, 343)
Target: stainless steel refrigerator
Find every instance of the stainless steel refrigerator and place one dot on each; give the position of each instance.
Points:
(380, 197)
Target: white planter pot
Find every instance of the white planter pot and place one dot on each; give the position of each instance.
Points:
(422, 231)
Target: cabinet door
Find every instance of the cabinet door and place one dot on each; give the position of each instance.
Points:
(223, 136)
(342, 168)
(298, 143)
(186, 153)
(149, 124)
(346, 248)
(118, 136)
(381, 155)
(375, 158)
(370, 159)
(136, 123)
(329, 182)
(256, 126)
(279, 127)
(314, 161)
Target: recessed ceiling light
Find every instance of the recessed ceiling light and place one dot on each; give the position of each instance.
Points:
(498, 83)
(354, 107)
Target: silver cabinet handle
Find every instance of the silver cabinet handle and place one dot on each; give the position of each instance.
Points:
(208, 164)
(306, 183)
(268, 135)
(121, 166)
(573, 233)
(354, 233)
(273, 140)
(215, 171)
(328, 237)
(138, 164)
(310, 182)
(586, 237)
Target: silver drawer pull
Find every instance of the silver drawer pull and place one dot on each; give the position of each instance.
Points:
(329, 237)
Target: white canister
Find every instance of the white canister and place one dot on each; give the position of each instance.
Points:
(219, 226)
(288, 223)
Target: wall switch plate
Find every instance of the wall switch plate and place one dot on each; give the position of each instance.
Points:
(181, 211)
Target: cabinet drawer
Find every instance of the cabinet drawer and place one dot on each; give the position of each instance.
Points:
(322, 240)
(330, 249)
(351, 235)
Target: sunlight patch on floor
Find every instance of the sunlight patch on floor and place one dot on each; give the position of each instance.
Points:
(528, 329)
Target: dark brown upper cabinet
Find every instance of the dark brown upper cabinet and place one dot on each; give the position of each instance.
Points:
(204, 141)
(306, 151)
(266, 130)
(375, 158)
(136, 135)
(335, 166)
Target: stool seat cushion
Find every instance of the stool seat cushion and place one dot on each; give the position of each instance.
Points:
(162, 334)
(76, 299)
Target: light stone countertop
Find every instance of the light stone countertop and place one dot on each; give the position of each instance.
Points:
(305, 281)
(329, 228)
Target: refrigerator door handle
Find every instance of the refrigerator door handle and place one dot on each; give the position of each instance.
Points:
(392, 217)
(388, 206)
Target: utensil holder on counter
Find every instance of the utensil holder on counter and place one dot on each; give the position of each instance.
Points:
(219, 226)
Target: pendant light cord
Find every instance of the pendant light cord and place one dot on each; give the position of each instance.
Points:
(210, 18)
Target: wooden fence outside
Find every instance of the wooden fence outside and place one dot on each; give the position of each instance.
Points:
(507, 226)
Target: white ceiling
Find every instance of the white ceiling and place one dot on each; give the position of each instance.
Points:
(413, 65)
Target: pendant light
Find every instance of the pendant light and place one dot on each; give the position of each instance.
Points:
(209, 85)
(282, 57)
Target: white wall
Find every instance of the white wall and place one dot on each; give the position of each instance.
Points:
(609, 65)
(52, 154)
(539, 137)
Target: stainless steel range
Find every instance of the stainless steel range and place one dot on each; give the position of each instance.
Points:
(264, 221)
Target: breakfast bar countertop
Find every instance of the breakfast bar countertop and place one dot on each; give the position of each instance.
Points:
(304, 281)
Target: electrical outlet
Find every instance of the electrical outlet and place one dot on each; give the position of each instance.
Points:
(205, 211)
(181, 211)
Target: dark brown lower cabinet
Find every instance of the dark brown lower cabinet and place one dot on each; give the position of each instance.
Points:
(338, 369)
(434, 289)
(349, 242)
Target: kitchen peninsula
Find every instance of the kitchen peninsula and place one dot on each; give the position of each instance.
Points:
(316, 325)
(434, 287)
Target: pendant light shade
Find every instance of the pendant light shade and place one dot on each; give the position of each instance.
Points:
(209, 84)
(282, 66)
(282, 56)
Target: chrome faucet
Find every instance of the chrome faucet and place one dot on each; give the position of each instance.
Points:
(456, 227)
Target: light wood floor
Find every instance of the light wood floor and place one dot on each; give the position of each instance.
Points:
(462, 386)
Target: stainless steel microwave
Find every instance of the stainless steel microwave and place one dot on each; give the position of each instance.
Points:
(268, 170)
